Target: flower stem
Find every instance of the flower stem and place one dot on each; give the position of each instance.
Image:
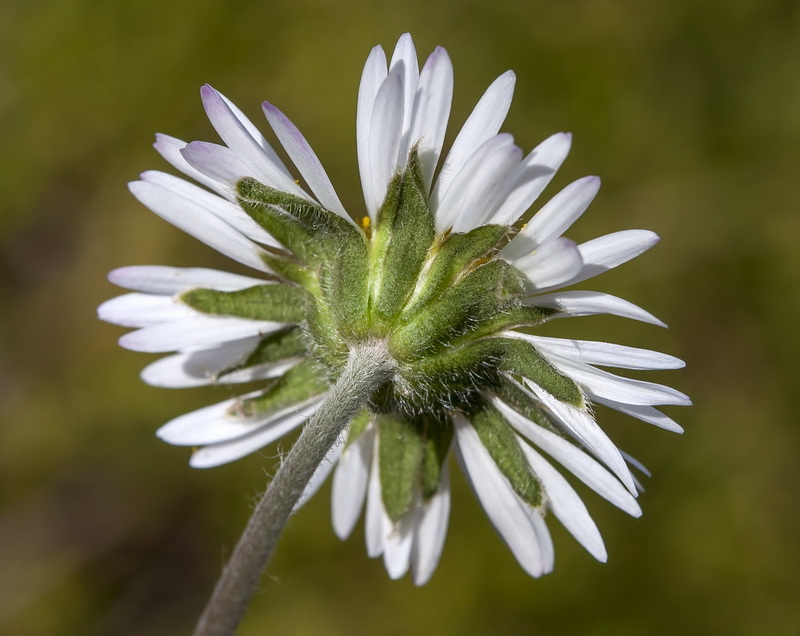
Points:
(368, 366)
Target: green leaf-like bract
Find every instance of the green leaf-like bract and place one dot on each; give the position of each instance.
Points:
(400, 450)
(458, 310)
(278, 303)
(403, 236)
(289, 343)
(521, 358)
(520, 400)
(358, 425)
(503, 445)
(295, 386)
(411, 452)
(327, 244)
(455, 255)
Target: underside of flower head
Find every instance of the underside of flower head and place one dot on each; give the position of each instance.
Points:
(441, 273)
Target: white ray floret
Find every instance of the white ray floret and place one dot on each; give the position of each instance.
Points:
(200, 331)
(579, 463)
(228, 451)
(511, 517)
(305, 159)
(199, 223)
(431, 530)
(590, 303)
(555, 218)
(163, 280)
(524, 185)
(350, 483)
(483, 123)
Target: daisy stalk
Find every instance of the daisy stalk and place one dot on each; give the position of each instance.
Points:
(398, 341)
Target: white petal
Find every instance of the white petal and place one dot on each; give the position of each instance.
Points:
(554, 218)
(217, 163)
(505, 510)
(530, 178)
(543, 537)
(581, 425)
(431, 111)
(579, 463)
(431, 531)
(645, 413)
(393, 540)
(618, 388)
(476, 199)
(567, 505)
(483, 123)
(210, 424)
(143, 310)
(405, 58)
(201, 368)
(159, 279)
(384, 136)
(320, 474)
(607, 252)
(604, 353)
(350, 483)
(551, 264)
(199, 223)
(304, 157)
(479, 179)
(397, 541)
(611, 250)
(223, 209)
(255, 133)
(237, 137)
(372, 78)
(636, 464)
(373, 528)
(200, 331)
(170, 148)
(218, 454)
(218, 423)
(590, 303)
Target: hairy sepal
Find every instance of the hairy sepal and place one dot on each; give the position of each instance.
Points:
(358, 425)
(298, 384)
(459, 310)
(411, 452)
(520, 358)
(330, 247)
(400, 451)
(451, 258)
(503, 445)
(275, 302)
(450, 380)
(276, 347)
(403, 238)
(522, 401)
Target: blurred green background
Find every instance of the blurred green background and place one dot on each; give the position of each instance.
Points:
(689, 112)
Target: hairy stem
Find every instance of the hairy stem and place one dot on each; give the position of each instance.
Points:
(368, 366)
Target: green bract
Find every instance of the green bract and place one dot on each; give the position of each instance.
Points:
(444, 304)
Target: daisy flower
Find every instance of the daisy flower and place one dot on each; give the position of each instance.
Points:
(438, 270)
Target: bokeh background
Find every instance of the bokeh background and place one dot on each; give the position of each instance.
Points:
(689, 112)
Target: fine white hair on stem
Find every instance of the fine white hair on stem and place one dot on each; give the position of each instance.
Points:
(368, 366)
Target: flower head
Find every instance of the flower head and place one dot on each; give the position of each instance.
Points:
(440, 272)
